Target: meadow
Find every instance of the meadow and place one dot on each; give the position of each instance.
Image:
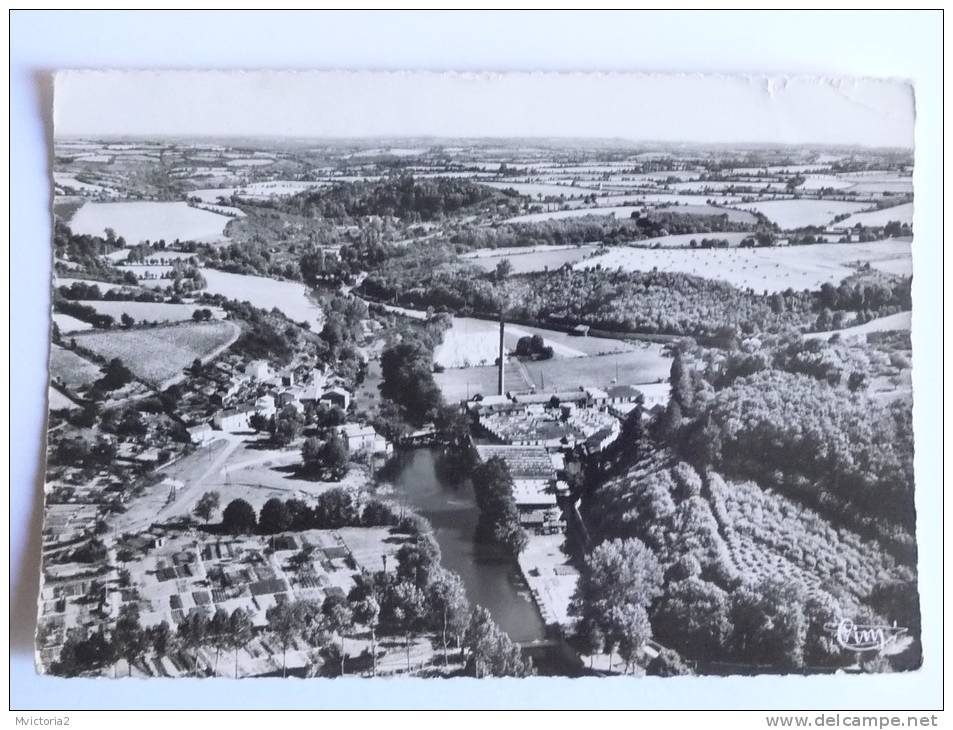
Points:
(71, 369)
(902, 213)
(790, 214)
(645, 363)
(68, 324)
(473, 342)
(525, 260)
(158, 355)
(291, 297)
(141, 221)
(761, 269)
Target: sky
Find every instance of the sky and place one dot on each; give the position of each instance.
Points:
(663, 108)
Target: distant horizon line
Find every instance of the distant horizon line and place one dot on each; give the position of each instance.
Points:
(178, 136)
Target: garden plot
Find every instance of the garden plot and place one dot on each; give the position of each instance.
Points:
(789, 214)
(158, 355)
(149, 221)
(761, 269)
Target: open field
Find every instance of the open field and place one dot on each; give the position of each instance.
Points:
(71, 369)
(902, 213)
(257, 190)
(684, 240)
(458, 384)
(644, 364)
(141, 221)
(800, 213)
(159, 354)
(538, 258)
(899, 321)
(150, 311)
(59, 402)
(68, 324)
(291, 297)
(473, 341)
(732, 214)
(761, 269)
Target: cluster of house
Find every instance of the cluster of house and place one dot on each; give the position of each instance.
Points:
(264, 391)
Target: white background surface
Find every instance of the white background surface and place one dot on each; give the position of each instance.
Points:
(880, 44)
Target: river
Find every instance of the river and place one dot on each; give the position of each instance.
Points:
(491, 581)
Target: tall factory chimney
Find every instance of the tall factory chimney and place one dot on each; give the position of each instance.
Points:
(501, 374)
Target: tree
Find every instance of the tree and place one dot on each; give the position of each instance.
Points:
(126, 320)
(503, 269)
(621, 580)
(274, 517)
(499, 517)
(449, 606)
(160, 637)
(408, 611)
(311, 455)
(693, 617)
(333, 457)
(219, 634)
(240, 632)
(206, 506)
(367, 611)
(335, 508)
(116, 375)
(288, 425)
(340, 619)
(285, 622)
(668, 663)
(128, 638)
(770, 626)
(239, 518)
(193, 632)
(259, 422)
(418, 561)
(593, 640)
(492, 652)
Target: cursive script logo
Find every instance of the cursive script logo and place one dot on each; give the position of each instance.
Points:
(864, 637)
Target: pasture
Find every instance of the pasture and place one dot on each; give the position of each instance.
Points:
(899, 321)
(761, 269)
(644, 363)
(684, 240)
(473, 342)
(459, 384)
(901, 213)
(69, 324)
(527, 260)
(790, 214)
(142, 221)
(72, 370)
(158, 355)
(291, 297)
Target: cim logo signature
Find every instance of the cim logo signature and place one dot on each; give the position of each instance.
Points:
(864, 637)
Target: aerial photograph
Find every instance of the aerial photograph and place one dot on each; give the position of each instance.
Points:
(477, 405)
